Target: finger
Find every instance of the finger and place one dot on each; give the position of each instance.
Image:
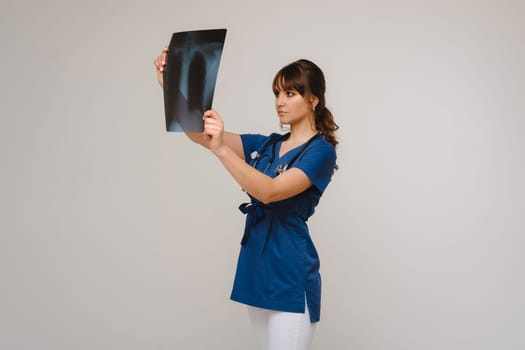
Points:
(211, 113)
(210, 117)
(164, 55)
(157, 63)
(211, 125)
(207, 113)
(160, 61)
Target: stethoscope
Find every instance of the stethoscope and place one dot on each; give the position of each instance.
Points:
(255, 155)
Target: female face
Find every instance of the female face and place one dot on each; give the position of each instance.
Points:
(292, 107)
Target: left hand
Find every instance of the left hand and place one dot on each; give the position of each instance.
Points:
(159, 63)
(213, 130)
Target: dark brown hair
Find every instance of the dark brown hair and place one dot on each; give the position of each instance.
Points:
(307, 78)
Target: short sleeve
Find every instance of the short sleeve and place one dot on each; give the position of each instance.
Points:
(318, 163)
(251, 143)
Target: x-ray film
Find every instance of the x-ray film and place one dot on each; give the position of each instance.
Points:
(189, 77)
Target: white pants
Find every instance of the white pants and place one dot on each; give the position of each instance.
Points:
(282, 330)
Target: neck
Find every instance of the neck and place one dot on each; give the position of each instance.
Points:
(300, 133)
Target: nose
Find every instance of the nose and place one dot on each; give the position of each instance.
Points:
(279, 99)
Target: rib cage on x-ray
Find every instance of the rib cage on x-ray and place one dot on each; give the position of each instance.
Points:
(191, 73)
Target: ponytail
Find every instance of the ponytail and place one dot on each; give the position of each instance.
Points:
(324, 122)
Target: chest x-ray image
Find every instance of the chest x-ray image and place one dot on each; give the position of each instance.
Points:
(190, 76)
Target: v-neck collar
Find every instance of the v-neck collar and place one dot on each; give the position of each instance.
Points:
(278, 148)
(279, 156)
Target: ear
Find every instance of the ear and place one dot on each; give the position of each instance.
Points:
(314, 101)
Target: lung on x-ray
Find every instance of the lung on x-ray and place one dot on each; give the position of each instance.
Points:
(190, 76)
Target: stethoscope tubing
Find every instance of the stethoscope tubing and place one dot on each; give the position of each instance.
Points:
(272, 143)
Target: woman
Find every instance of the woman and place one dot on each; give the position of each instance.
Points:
(284, 175)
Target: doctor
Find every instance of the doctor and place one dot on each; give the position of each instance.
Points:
(277, 274)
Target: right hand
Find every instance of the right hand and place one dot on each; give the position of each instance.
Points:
(159, 63)
(213, 131)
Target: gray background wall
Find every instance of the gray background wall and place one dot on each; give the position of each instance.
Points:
(117, 235)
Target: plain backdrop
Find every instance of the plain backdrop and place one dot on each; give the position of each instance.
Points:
(118, 235)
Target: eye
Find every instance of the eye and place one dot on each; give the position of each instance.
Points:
(276, 93)
(290, 93)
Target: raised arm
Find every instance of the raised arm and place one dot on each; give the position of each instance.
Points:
(261, 186)
(231, 139)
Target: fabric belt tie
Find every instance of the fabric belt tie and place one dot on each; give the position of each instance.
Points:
(255, 213)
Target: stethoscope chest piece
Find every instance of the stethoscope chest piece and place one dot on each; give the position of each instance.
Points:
(281, 168)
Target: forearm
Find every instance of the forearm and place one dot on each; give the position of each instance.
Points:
(230, 151)
(254, 182)
(261, 186)
(198, 138)
(230, 139)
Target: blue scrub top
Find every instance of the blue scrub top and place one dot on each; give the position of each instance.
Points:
(278, 264)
